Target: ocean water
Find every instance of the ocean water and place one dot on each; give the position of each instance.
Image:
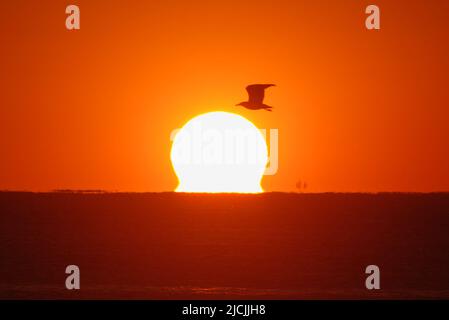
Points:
(230, 246)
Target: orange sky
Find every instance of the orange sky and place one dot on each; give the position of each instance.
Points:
(356, 110)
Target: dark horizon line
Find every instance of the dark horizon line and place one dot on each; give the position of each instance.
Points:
(100, 191)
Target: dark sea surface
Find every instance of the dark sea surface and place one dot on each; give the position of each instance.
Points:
(231, 246)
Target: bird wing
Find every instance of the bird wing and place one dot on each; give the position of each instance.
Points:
(256, 92)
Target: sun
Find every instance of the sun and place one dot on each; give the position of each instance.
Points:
(219, 152)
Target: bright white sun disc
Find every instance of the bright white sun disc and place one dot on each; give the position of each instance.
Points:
(219, 152)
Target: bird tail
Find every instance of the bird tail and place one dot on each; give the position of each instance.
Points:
(268, 108)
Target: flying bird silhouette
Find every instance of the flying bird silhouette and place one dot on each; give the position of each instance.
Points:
(256, 93)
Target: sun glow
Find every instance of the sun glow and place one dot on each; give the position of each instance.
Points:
(219, 152)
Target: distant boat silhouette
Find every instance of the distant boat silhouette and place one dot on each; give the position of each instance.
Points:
(256, 93)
